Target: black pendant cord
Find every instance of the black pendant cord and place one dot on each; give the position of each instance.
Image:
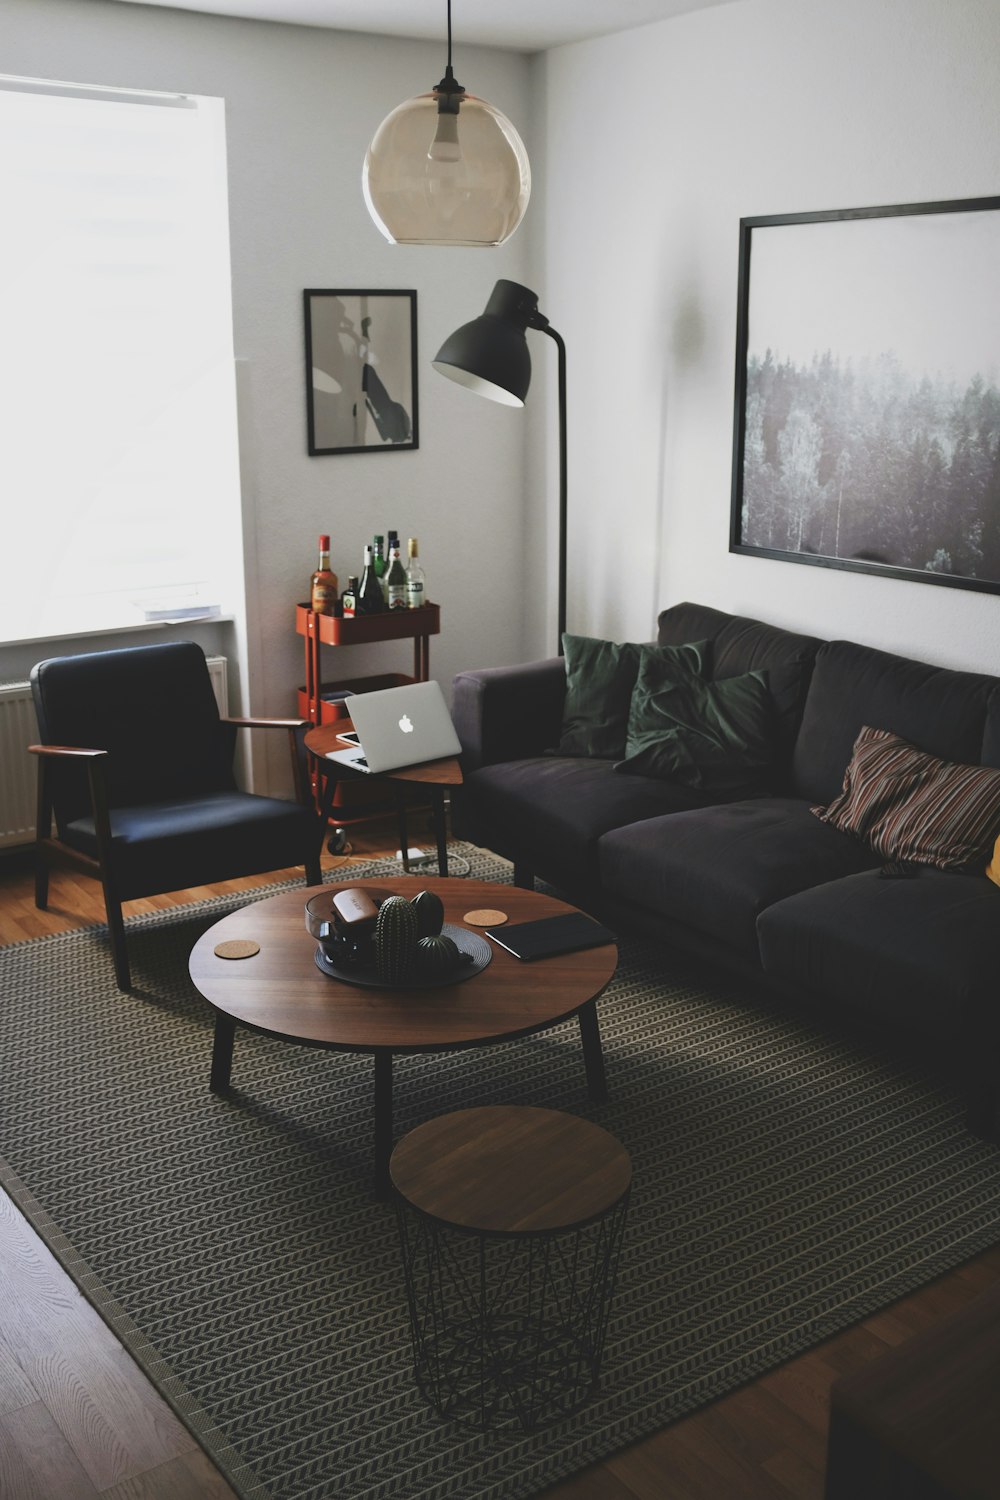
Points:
(449, 90)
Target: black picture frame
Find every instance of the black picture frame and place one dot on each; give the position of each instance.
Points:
(867, 404)
(361, 370)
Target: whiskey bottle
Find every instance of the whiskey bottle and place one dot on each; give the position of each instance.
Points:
(323, 584)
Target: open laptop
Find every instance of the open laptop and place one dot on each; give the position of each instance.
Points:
(402, 726)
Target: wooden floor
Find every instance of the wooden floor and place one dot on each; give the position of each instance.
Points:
(78, 1419)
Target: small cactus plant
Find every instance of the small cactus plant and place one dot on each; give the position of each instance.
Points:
(430, 913)
(438, 955)
(395, 939)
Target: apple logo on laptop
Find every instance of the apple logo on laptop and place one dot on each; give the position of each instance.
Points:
(406, 724)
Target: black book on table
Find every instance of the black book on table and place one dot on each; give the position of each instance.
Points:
(549, 936)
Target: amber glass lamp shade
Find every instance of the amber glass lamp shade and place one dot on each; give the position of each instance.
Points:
(446, 172)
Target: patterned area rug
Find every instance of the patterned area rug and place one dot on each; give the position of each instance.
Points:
(787, 1183)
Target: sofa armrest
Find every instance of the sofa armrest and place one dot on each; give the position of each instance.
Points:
(508, 713)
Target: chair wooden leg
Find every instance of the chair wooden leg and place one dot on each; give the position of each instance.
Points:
(116, 932)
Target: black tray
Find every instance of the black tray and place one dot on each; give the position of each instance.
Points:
(468, 942)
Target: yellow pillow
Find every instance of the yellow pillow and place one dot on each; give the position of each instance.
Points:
(993, 868)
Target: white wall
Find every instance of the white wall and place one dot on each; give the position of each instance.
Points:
(656, 142)
(301, 107)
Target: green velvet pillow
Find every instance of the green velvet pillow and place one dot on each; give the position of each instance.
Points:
(713, 736)
(600, 676)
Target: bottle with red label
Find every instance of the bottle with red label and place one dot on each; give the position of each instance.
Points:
(323, 588)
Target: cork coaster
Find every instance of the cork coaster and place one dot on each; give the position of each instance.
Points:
(485, 917)
(237, 948)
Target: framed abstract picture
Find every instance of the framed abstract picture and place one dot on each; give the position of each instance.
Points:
(867, 421)
(361, 370)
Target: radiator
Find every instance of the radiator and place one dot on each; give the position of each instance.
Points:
(18, 771)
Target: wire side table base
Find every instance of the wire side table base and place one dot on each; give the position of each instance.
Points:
(508, 1327)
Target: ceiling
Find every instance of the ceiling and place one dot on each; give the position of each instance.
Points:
(522, 25)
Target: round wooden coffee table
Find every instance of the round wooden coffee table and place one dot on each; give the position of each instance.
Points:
(279, 990)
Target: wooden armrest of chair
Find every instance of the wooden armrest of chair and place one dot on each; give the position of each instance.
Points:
(68, 750)
(266, 723)
(292, 726)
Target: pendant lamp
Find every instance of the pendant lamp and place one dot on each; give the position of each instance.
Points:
(447, 168)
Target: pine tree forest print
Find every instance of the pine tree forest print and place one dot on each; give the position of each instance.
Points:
(868, 428)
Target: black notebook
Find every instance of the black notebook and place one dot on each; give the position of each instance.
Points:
(551, 935)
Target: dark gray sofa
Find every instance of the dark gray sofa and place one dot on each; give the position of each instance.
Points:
(759, 884)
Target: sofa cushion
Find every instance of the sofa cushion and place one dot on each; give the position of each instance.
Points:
(550, 811)
(942, 711)
(714, 870)
(920, 952)
(740, 645)
(710, 735)
(600, 678)
(993, 868)
(990, 755)
(907, 805)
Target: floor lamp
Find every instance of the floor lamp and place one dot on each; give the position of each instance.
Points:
(490, 356)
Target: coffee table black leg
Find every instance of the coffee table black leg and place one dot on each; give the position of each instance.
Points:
(593, 1055)
(222, 1053)
(383, 1119)
(437, 797)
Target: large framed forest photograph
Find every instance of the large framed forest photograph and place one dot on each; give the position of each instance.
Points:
(867, 423)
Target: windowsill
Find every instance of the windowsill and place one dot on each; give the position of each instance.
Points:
(130, 627)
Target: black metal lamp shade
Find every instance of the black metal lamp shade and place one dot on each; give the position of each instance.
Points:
(490, 356)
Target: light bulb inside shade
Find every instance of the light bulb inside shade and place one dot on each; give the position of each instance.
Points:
(418, 197)
(445, 146)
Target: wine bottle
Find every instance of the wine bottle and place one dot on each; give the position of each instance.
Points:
(380, 561)
(414, 576)
(323, 584)
(369, 600)
(395, 580)
(349, 598)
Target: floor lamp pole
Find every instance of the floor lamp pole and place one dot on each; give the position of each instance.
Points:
(563, 508)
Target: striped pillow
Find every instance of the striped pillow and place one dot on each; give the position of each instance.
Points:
(908, 805)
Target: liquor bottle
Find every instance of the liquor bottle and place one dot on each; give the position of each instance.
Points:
(395, 580)
(349, 598)
(414, 576)
(369, 600)
(323, 584)
(392, 540)
(380, 561)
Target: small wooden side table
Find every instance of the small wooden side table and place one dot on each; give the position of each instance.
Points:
(511, 1221)
(432, 776)
(922, 1422)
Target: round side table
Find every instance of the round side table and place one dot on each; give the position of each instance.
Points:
(511, 1222)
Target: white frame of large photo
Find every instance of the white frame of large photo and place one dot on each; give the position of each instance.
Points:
(867, 410)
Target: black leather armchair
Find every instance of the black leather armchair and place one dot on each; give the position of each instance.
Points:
(136, 764)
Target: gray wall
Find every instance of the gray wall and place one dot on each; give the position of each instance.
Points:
(301, 107)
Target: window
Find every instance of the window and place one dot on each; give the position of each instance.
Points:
(119, 461)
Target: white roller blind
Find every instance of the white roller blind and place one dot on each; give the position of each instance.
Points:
(118, 451)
